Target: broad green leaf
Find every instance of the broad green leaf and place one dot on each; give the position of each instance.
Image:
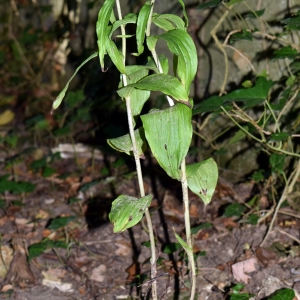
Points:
(207, 105)
(239, 135)
(141, 26)
(128, 19)
(124, 143)
(101, 28)
(202, 179)
(181, 45)
(285, 52)
(278, 137)
(116, 56)
(211, 3)
(171, 248)
(60, 222)
(277, 162)
(48, 171)
(183, 244)
(166, 84)
(127, 211)
(36, 250)
(168, 22)
(254, 15)
(234, 209)
(62, 94)
(163, 62)
(23, 187)
(284, 294)
(169, 133)
(74, 98)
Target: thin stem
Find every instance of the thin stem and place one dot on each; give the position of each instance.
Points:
(138, 164)
(187, 223)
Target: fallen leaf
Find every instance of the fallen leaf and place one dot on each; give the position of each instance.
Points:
(124, 248)
(98, 273)
(6, 117)
(240, 269)
(132, 271)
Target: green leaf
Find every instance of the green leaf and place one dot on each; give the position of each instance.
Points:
(101, 28)
(151, 42)
(163, 62)
(36, 250)
(234, 209)
(85, 187)
(232, 2)
(23, 187)
(285, 52)
(171, 248)
(181, 45)
(116, 56)
(277, 162)
(124, 143)
(251, 96)
(292, 23)
(60, 222)
(202, 179)
(244, 296)
(167, 84)
(254, 15)
(184, 13)
(202, 226)
(128, 19)
(169, 133)
(48, 171)
(168, 22)
(278, 137)
(62, 94)
(239, 135)
(74, 98)
(243, 35)
(211, 3)
(253, 219)
(141, 26)
(127, 211)
(284, 294)
(210, 104)
(184, 245)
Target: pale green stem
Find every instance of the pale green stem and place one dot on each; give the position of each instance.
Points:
(138, 165)
(187, 223)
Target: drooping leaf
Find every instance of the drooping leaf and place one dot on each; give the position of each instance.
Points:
(141, 26)
(202, 179)
(116, 56)
(181, 45)
(62, 94)
(184, 13)
(151, 42)
(254, 15)
(168, 22)
(127, 211)
(183, 244)
(60, 222)
(207, 4)
(169, 134)
(128, 19)
(286, 52)
(167, 84)
(124, 143)
(101, 28)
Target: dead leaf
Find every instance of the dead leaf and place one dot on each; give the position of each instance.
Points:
(240, 269)
(98, 274)
(6, 117)
(124, 248)
(132, 271)
(6, 258)
(265, 256)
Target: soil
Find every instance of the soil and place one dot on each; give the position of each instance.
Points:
(101, 264)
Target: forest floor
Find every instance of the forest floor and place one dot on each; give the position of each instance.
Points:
(60, 219)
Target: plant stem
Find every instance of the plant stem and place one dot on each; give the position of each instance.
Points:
(187, 223)
(138, 165)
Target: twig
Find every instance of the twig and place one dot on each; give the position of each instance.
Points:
(289, 235)
(242, 55)
(287, 190)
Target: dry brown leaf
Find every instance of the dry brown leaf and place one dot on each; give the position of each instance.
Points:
(98, 274)
(240, 269)
(132, 271)
(124, 248)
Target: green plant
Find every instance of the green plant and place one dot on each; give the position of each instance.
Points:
(168, 132)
